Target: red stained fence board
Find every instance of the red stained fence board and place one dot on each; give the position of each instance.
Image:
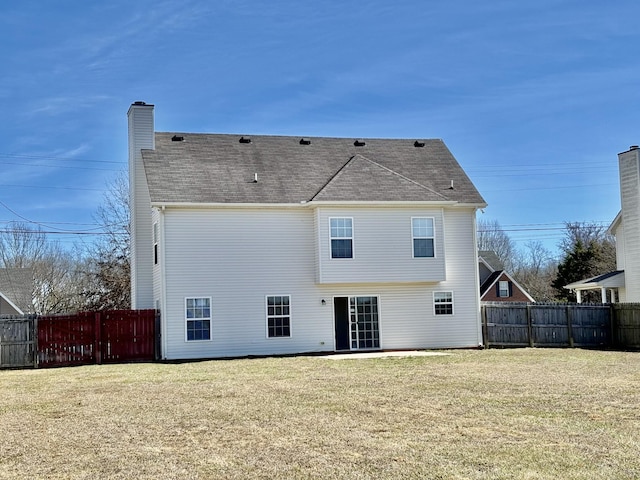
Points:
(114, 336)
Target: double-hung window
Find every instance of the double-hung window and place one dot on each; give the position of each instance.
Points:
(198, 318)
(278, 316)
(443, 303)
(503, 289)
(423, 237)
(341, 237)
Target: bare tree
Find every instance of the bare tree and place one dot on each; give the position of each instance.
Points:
(21, 245)
(491, 237)
(55, 271)
(535, 271)
(108, 280)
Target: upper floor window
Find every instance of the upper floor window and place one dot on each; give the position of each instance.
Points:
(279, 316)
(443, 303)
(423, 237)
(503, 289)
(341, 237)
(198, 317)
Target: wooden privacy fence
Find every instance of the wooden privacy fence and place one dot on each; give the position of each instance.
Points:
(78, 339)
(96, 337)
(17, 341)
(561, 325)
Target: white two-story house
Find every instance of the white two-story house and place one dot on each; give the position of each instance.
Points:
(623, 284)
(261, 245)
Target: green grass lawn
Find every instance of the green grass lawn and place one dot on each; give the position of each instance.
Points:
(525, 413)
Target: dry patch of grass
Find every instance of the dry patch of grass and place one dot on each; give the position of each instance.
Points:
(527, 413)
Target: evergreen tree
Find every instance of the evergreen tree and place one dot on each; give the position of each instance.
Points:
(588, 251)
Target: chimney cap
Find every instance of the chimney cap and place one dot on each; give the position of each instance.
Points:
(634, 147)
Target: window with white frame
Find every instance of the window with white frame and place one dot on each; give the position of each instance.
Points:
(278, 316)
(155, 243)
(341, 237)
(443, 303)
(423, 237)
(198, 318)
(503, 288)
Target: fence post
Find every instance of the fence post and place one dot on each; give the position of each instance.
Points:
(529, 325)
(613, 341)
(569, 326)
(98, 338)
(34, 338)
(483, 316)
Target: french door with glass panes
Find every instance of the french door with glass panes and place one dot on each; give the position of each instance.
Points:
(357, 323)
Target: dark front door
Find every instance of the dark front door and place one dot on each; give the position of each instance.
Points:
(341, 315)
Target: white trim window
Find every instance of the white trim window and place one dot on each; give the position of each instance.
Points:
(198, 318)
(423, 237)
(503, 289)
(341, 234)
(155, 243)
(278, 316)
(443, 303)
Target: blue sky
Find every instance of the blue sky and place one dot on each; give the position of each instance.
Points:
(535, 99)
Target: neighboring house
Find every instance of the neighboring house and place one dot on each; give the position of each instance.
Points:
(496, 285)
(16, 290)
(274, 245)
(623, 284)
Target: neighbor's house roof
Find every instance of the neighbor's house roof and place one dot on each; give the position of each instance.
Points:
(490, 282)
(615, 223)
(608, 280)
(490, 259)
(194, 168)
(16, 285)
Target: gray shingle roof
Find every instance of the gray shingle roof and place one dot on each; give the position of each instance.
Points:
(16, 284)
(491, 258)
(218, 168)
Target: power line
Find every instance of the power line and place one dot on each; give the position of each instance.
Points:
(53, 157)
(41, 165)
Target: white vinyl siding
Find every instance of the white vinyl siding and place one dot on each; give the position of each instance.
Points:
(216, 252)
(141, 136)
(383, 248)
(630, 199)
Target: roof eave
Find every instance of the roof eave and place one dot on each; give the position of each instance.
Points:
(315, 203)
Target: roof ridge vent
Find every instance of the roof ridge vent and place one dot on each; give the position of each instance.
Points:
(418, 144)
(245, 140)
(305, 141)
(177, 138)
(359, 143)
